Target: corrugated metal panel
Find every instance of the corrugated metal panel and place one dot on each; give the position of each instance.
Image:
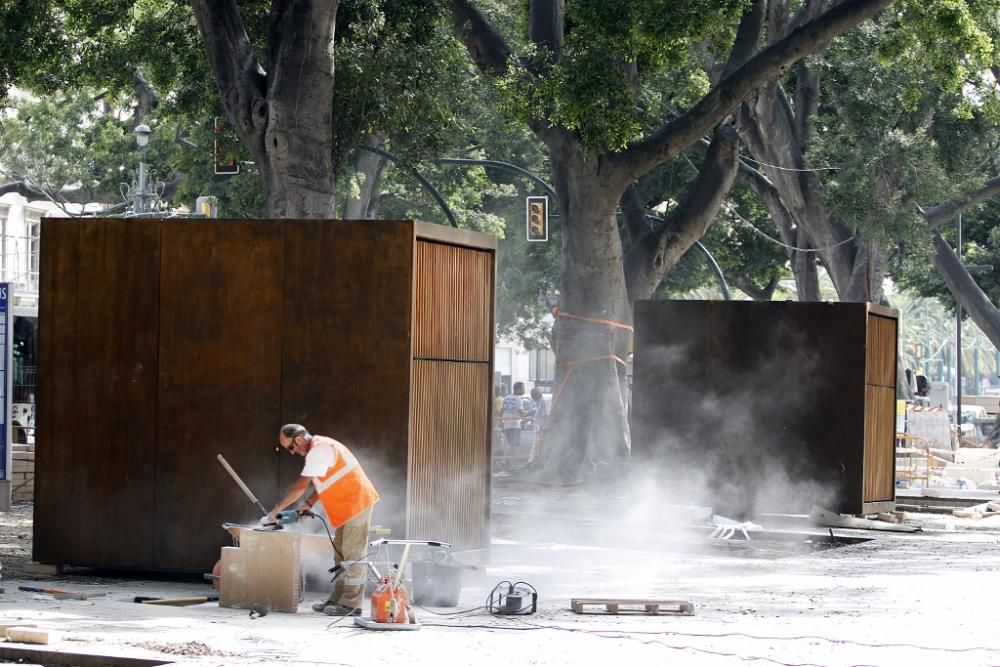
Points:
(881, 351)
(880, 438)
(452, 306)
(449, 465)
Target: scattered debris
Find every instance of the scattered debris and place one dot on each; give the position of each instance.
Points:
(185, 648)
(60, 594)
(983, 510)
(726, 528)
(826, 518)
(177, 602)
(6, 626)
(652, 607)
(24, 634)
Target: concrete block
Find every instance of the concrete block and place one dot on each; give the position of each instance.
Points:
(41, 568)
(28, 635)
(263, 571)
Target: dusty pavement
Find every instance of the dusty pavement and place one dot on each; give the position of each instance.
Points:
(924, 599)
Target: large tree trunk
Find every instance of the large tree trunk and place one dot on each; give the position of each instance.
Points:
(775, 136)
(284, 116)
(588, 425)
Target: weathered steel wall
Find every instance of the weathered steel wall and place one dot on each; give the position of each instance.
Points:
(164, 343)
(778, 405)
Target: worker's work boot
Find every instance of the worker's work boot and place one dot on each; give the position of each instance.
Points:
(341, 610)
(318, 606)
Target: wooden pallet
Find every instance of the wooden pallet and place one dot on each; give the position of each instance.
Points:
(615, 605)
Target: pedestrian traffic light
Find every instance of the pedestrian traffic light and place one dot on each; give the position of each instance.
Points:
(538, 218)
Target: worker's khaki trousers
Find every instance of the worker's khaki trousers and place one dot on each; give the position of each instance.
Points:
(351, 540)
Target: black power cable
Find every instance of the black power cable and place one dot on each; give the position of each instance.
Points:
(519, 598)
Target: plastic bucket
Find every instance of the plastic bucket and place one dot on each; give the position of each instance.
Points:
(436, 584)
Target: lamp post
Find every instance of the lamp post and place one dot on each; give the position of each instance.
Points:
(958, 342)
(143, 197)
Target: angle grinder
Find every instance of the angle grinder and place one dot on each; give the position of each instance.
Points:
(286, 517)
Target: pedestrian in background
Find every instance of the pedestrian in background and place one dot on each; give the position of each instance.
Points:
(512, 412)
(541, 409)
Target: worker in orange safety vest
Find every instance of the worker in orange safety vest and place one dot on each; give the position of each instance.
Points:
(346, 495)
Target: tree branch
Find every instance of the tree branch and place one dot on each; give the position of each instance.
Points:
(681, 132)
(659, 249)
(241, 79)
(488, 49)
(943, 213)
(145, 96)
(743, 282)
(766, 193)
(747, 36)
(24, 189)
(806, 101)
(965, 290)
(545, 26)
(633, 213)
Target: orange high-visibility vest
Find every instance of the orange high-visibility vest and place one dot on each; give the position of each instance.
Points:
(345, 489)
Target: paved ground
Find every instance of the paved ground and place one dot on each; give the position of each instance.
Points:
(923, 599)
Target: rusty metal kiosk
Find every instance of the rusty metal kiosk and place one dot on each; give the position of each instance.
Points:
(164, 342)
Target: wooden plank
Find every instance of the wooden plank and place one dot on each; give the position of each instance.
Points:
(881, 351)
(51, 658)
(449, 455)
(98, 322)
(220, 373)
(621, 605)
(452, 316)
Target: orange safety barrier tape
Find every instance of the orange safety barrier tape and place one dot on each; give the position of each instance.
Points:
(569, 366)
(556, 312)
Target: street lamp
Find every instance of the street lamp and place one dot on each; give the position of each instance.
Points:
(142, 195)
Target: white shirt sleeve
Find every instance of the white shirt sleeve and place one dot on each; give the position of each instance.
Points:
(319, 459)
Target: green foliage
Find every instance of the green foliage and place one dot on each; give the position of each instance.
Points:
(980, 247)
(66, 142)
(398, 71)
(738, 243)
(625, 67)
(880, 181)
(905, 116)
(27, 41)
(947, 41)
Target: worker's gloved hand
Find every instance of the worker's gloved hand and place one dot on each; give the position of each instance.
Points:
(269, 520)
(305, 511)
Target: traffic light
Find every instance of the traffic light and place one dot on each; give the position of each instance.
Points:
(538, 218)
(225, 158)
